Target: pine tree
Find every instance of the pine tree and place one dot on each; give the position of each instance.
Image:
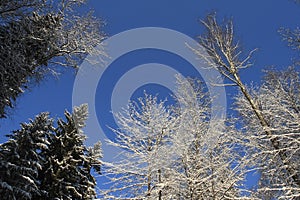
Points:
(67, 171)
(20, 159)
(37, 36)
(40, 161)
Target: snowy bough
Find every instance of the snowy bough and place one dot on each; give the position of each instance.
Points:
(144, 134)
(41, 161)
(39, 36)
(278, 98)
(270, 113)
(175, 152)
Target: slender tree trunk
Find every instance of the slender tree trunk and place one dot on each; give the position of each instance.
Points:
(148, 184)
(159, 180)
(149, 170)
(266, 128)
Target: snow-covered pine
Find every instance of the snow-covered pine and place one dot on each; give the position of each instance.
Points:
(94, 154)
(42, 162)
(36, 36)
(21, 159)
(67, 171)
(80, 115)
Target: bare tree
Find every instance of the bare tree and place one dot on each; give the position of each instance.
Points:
(176, 152)
(205, 162)
(278, 98)
(292, 37)
(225, 55)
(144, 128)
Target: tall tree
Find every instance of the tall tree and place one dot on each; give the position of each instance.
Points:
(44, 162)
(20, 159)
(67, 170)
(225, 55)
(176, 152)
(144, 129)
(36, 36)
(206, 163)
(278, 98)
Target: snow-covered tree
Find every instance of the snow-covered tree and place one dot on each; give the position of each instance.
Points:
(206, 164)
(279, 100)
(176, 152)
(40, 161)
(266, 131)
(292, 37)
(21, 161)
(36, 36)
(67, 170)
(145, 127)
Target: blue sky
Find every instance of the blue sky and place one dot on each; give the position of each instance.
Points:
(256, 24)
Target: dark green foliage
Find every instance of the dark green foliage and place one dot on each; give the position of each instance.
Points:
(36, 36)
(21, 159)
(43, 162)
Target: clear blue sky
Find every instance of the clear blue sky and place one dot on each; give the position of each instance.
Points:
(256, 24)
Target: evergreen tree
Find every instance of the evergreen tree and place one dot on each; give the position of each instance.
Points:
(67, 171)
(21, 161)
(37, 36)
(40, 161)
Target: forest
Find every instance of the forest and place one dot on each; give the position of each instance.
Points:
(176, 150)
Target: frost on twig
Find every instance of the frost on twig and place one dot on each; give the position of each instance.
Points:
(224, 55)
(223, 51)
(171, 153)
(38, 37)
